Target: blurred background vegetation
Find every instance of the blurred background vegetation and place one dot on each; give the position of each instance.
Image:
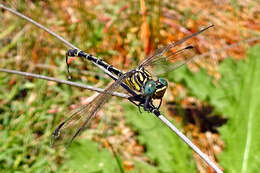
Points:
(214, 100)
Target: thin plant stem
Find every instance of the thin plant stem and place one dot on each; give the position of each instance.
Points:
(91, 88)
(50, 32)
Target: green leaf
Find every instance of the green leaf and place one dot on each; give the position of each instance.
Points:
(85, 156)
(235, 96)
(242, 132)
(163, 147)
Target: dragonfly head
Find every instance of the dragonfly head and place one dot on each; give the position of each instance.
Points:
(150, 88)
(161, 82)
(161, 86)
(156, 89)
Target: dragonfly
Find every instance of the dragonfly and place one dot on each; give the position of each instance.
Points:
(154, 111)
(139, 82)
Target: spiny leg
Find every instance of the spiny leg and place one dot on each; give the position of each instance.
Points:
(148, 100)
(158, 107)
(134, 99)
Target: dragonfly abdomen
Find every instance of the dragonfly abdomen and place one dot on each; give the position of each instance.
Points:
(80, 53)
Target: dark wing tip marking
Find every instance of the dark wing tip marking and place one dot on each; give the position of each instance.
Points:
(189, 47)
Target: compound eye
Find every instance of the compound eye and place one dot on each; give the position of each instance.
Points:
(150, 88)
(163, 81)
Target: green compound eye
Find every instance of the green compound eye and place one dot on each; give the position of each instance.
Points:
(150, 88)
(163, 81)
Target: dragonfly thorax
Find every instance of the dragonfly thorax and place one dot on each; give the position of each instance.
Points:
(142, 82)
(138, 80)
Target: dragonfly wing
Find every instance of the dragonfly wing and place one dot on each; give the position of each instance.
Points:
(160, 52)
(90, 109)
(74, 118)
(173, 60)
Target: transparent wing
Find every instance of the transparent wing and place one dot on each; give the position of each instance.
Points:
(173, 60)
(77, 117)
(160, 53)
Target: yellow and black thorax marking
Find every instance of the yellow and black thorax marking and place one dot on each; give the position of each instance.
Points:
(138, 79)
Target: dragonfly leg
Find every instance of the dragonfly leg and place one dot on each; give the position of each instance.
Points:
(139, 108)
(158, 107)
(146, 103)
(134, 99)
